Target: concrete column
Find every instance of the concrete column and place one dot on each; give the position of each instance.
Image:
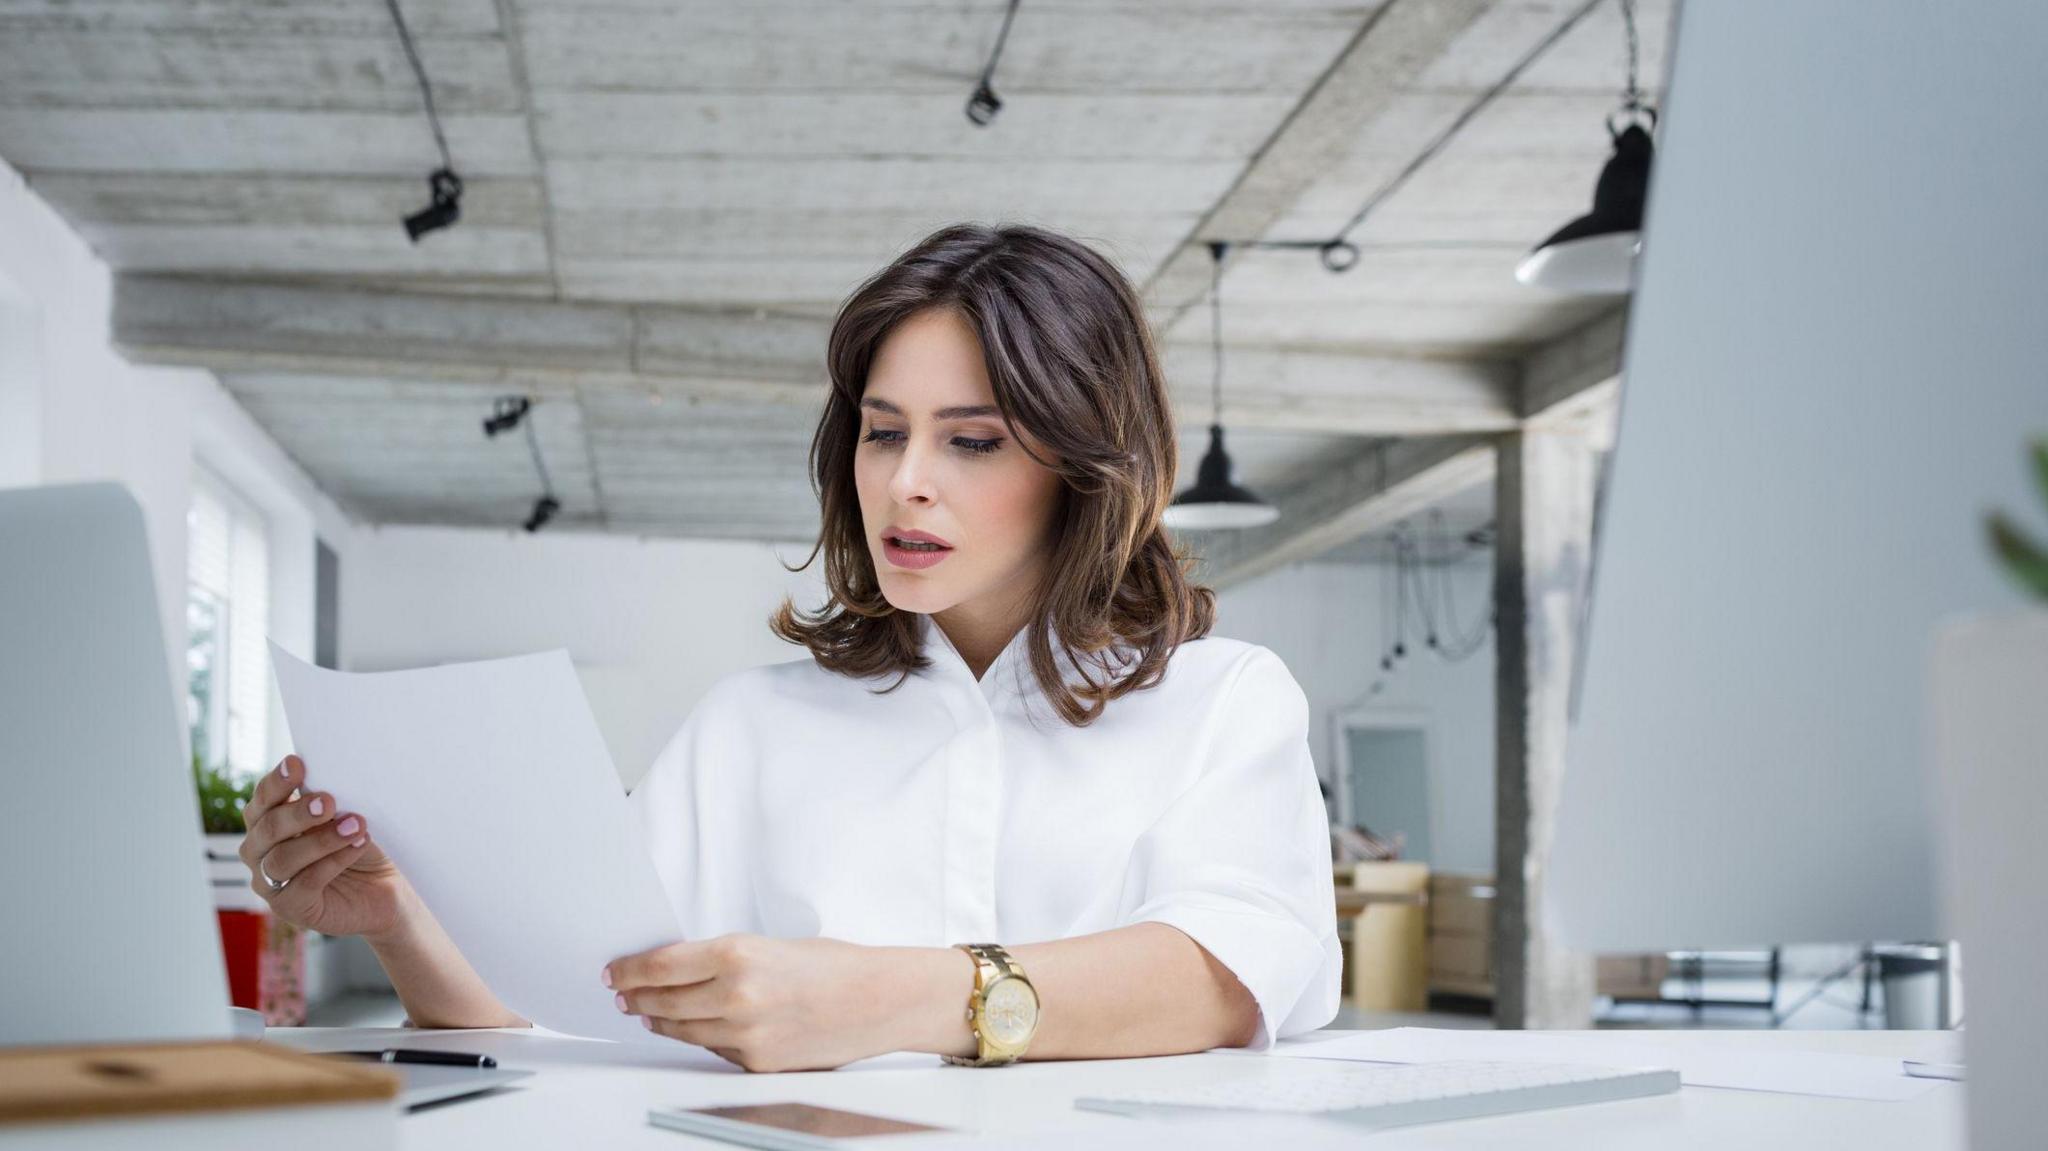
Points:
(1544, 512)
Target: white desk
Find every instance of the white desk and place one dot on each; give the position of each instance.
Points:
(588, 1095)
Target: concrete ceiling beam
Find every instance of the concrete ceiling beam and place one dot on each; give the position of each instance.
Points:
(744, 355)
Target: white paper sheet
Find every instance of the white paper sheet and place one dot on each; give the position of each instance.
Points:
(1741, 1068)
(489, 785)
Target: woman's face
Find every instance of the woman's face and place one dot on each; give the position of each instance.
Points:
(936, 464)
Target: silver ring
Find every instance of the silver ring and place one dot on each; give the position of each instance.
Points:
(275, 886)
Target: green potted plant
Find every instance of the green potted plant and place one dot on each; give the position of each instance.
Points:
(2023, 559)
(220, 817)
(220, 800)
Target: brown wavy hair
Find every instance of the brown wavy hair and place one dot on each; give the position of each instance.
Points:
(1070, 360)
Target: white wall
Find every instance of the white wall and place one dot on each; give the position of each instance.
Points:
(1325, 622)
(72, 410)
(650, 624)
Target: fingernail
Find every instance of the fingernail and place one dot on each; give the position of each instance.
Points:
(349, 826)
(620, 999)
(315, 806)
(360, 842)
(284, 769)
(607, 977)
(647, 1021)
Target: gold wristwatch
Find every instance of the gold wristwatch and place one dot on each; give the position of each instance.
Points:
(1003, 1010)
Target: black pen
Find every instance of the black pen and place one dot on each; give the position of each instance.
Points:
(416, 1055)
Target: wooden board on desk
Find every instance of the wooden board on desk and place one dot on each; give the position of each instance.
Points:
(41, 1084)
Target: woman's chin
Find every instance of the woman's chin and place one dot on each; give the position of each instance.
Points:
(912, 591)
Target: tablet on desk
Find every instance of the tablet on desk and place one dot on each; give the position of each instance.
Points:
(784, 1126)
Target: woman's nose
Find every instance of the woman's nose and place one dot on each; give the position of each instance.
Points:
(912, 482)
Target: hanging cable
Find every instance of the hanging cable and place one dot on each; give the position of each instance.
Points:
(1434, 601)
(1217, 251)
(1400, 599)
(983, 105)
(547, 483)
(1425, 590)
(507, 413)
(1387, 610)
(1456, 646)
(547, 505)
(444, 187)
(1461, 646)
(1631, 96)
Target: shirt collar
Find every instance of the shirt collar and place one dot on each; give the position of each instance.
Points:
(1008, 675)
(1002, 676)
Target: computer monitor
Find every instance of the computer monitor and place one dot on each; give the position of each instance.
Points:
(107, 930)
(1837, 353)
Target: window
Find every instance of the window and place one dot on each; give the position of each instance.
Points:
(227, 612)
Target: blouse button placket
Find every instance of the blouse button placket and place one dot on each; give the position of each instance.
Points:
(973, 804)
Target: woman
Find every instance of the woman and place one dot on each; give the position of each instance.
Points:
(1010, 731)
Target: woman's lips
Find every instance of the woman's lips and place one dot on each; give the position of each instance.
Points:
(913, 559)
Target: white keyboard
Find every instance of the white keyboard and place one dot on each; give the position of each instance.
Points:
(1394, 1095)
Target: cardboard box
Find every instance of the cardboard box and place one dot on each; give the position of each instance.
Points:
(1461, 935)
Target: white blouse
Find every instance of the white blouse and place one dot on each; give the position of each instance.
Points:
(798, 802)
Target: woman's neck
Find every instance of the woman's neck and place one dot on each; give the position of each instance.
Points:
(980, 632)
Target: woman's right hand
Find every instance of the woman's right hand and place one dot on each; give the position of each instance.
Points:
(335, 878)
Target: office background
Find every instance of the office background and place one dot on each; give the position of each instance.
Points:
(165, 214)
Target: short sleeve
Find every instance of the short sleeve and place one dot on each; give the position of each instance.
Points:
(694, 807)
(1241, 860)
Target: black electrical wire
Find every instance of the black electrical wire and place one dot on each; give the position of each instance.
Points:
(1386, 626)
(983, 105)
(988, 72)
(1400, 600)
(1216, 254)
(1458, 646)
(507, 413)
(419, 71)
(547, 484)
(1408, 562)
(1434, 600)
(1631, 96)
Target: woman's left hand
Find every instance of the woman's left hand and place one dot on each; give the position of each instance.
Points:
(766, 1004)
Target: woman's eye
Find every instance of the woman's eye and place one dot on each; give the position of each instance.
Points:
(895, 439)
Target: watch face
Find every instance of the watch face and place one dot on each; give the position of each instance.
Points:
(1009, 1011)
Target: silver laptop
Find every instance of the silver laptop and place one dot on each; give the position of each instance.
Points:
(109, 927)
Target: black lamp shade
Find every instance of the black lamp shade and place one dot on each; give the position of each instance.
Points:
(1596, 252)
(1215, 502)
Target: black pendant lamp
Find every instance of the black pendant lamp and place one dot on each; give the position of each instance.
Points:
(1596, 253)
(1215, 502)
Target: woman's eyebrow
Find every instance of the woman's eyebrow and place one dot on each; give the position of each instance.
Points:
(970, 412)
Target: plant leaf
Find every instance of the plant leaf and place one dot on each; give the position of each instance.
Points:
(2040, 454)
(2025, 561)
